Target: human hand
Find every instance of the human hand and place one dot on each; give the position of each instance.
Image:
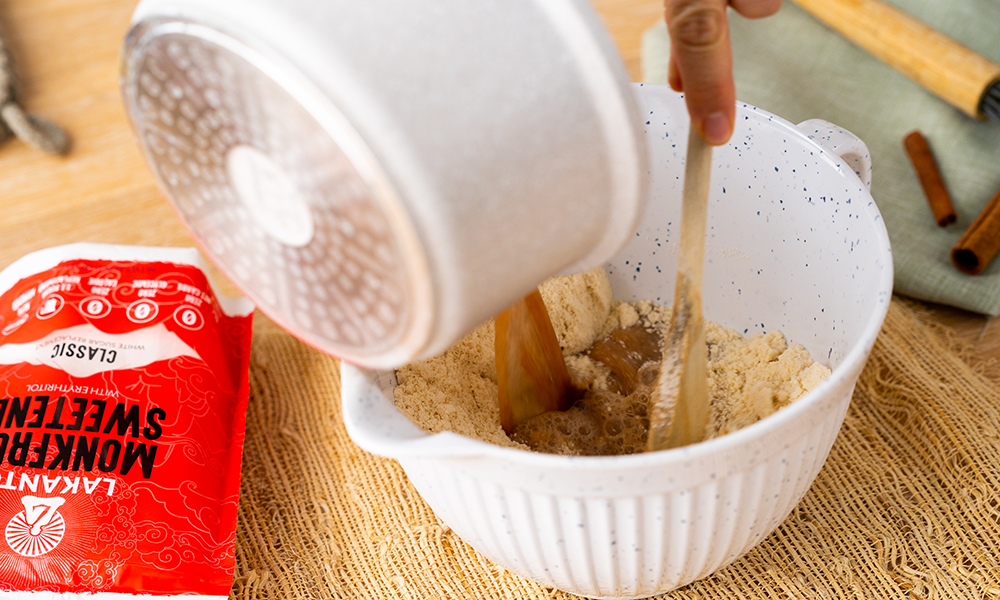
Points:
(701, 60)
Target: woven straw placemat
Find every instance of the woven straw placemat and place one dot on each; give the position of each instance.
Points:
(907, 505)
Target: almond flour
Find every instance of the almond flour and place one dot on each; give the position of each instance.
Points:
(749, 378)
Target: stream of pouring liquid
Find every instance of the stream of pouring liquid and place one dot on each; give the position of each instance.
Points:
(531, 371)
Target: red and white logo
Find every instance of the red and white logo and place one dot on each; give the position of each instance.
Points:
(188, 317)
(50, 307)
(95, 307)
(37, 529)
(142, 311)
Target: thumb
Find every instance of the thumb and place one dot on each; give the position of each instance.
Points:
(701, 64)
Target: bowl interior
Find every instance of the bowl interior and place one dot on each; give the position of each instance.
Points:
(794, 243)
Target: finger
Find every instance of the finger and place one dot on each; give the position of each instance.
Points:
(755, 9)
(699, 46)
(673, 75)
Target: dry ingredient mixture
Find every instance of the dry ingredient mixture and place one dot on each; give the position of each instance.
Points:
(612, 350)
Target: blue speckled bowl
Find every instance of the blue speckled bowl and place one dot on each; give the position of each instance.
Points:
(795, 243)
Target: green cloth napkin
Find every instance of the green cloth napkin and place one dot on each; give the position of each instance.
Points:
(795, 67)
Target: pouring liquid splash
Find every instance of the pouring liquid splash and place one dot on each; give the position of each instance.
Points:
(531, 371)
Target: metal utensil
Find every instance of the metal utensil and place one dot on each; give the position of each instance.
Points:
(680, 400)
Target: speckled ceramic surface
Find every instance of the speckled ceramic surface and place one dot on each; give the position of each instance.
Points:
(794, 243)
(375, 192)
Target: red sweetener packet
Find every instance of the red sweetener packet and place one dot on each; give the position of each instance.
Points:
(123, 392)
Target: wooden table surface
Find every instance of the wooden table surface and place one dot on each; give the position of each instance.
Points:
(66, 53)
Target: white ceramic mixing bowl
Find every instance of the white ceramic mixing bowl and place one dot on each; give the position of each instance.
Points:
(794, 243)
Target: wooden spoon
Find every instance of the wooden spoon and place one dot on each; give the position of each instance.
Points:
(531, 370)
(679, 412)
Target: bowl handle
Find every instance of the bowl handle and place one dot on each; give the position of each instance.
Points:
(843, 143)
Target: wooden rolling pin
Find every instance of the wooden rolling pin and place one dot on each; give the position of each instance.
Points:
(945, 67)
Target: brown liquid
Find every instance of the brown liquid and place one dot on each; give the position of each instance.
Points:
(531, 371)
(625, 351)
(603, 422)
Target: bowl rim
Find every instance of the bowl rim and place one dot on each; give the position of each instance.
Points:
(459, 446)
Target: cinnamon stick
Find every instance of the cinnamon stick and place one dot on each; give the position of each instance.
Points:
(930, 178)
(980, 242)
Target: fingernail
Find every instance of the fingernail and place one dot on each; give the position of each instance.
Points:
(716, 128)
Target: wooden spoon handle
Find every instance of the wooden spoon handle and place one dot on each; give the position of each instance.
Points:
(943, 66)
(679, 412)
(694, 211)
